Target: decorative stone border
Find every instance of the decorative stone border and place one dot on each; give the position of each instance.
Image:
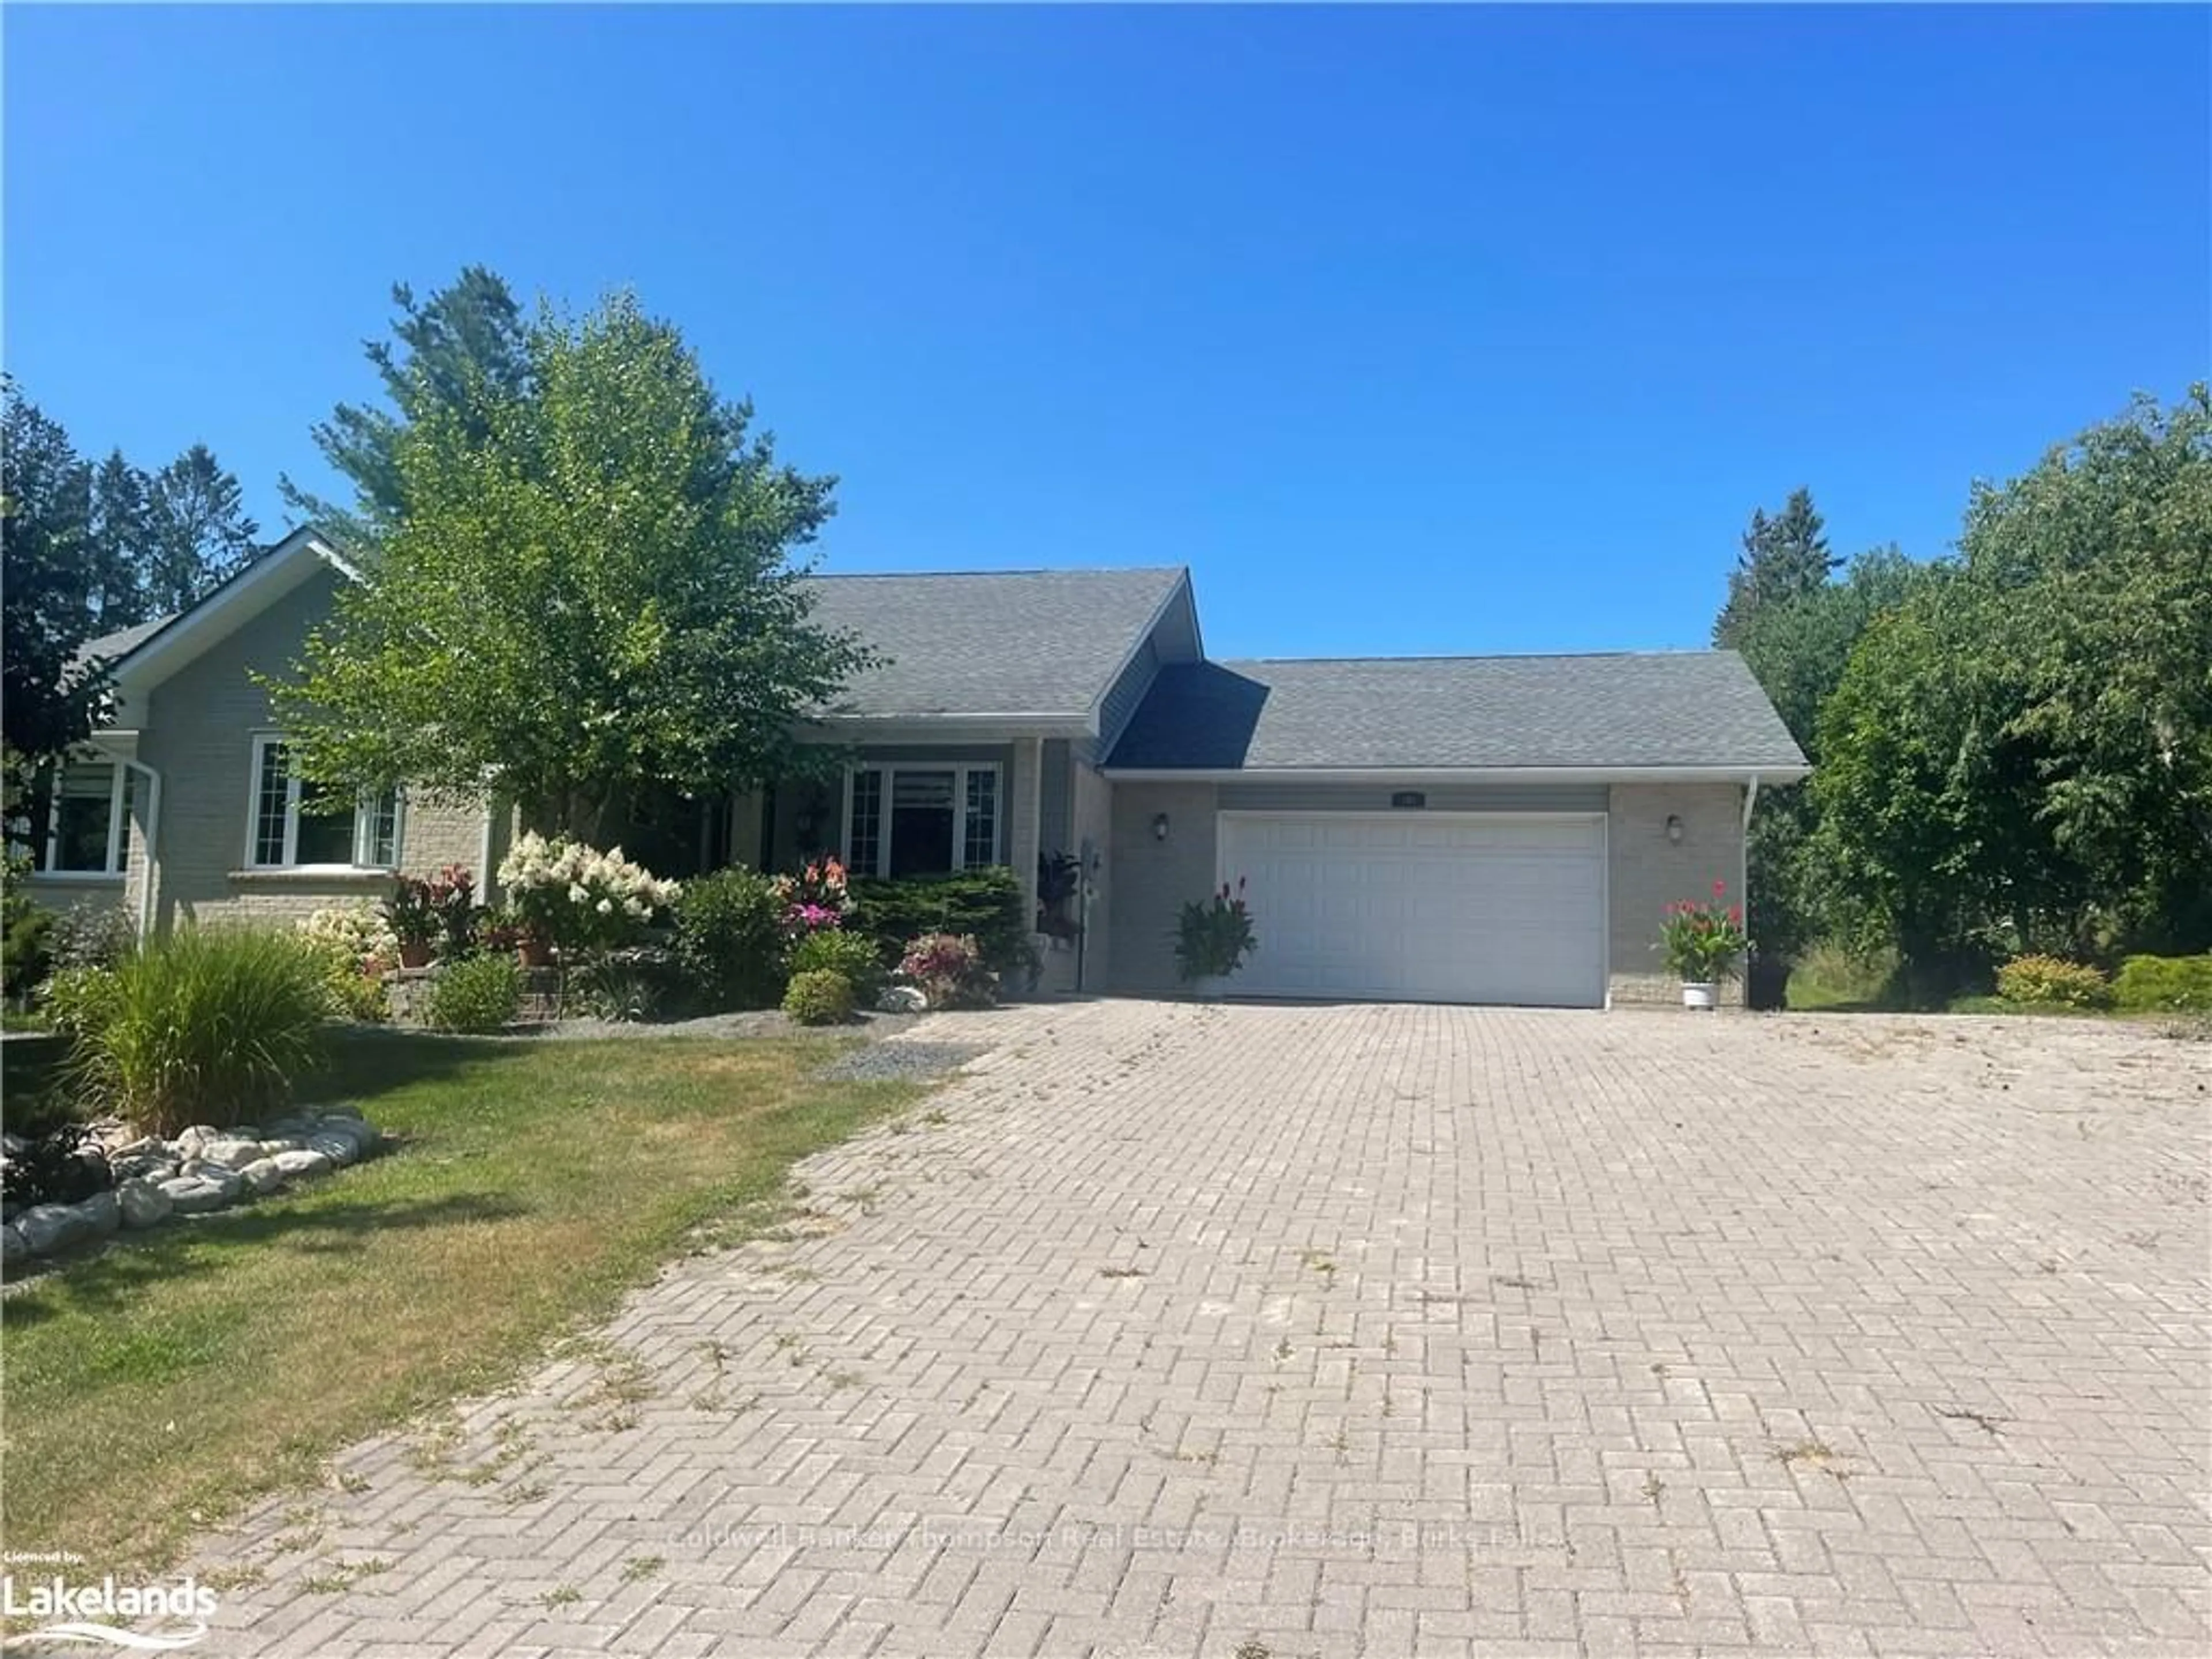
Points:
(203, 1169)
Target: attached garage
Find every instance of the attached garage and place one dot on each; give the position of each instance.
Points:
(1507, 908)
(1477, 829)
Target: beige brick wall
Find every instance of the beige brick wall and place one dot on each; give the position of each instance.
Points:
(1148, 880)
(60, 893)
(1645, 871)
(198, 729)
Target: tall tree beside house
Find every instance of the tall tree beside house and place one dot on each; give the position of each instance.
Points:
(1784, 558)
(463, 352)
(45, 549)
(2019, 756)
(589, 596)
(197, 531)
(1797, 649)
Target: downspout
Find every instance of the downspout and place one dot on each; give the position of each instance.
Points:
(1743, 871)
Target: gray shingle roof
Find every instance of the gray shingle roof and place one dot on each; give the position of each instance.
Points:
(1689, 709)
(109, 646)
(990, 643)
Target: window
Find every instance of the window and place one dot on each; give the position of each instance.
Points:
(85, 806)
(295, 824)
(926, 818)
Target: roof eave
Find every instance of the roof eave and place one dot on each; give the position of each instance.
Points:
(970, 726)
(1743, 773)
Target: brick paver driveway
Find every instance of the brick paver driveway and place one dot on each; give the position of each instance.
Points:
(1371, 1330)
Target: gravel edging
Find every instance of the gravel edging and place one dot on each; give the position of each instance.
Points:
(901, 1059)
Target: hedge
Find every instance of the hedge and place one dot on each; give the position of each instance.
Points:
(985, 902)
(2165, 984)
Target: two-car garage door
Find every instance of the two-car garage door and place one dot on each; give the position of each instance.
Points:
(1425, 907)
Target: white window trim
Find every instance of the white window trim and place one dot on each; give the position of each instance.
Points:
(118, 845)
(960, 770)
(364, 821)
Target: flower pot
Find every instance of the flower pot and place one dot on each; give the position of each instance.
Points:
(414, 953)
(1210, 987)
(533, 952)
(1701, 994)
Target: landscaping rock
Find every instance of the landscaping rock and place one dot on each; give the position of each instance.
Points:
(902, 1000)
(47, 1228)
(196, 1194)
(233, 1153)
(340, 1149)
(303, 1162)
(343, 1108)
(264, 1175)
(142, 1203)
(12, 1247)
(189, 1142)
(102, 1212)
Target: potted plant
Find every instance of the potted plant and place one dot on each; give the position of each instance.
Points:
(414, 923)
(1703, 941)
(1212, 939)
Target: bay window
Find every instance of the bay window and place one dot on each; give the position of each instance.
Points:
(921, 817)
(296, 824)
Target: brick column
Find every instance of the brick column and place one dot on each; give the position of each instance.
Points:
(1028, 795)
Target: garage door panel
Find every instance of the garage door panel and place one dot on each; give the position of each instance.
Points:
(1454, 909)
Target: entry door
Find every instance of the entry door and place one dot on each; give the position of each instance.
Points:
(1421, 906)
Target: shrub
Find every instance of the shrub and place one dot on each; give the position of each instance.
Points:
(821, 997)
(816, 898)
(638, 983)
(24, 931)
(729, 940)
(77, 1000)
(985, 905)
(576, 896)
(91, 936)
(2168, 984)
(479, 994)
(949, 969)
(835, 951)
(1213, 937)
(203, 1026)
(2049, 983)
(356, 947)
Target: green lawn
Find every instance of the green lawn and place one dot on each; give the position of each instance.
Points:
(154, 1388)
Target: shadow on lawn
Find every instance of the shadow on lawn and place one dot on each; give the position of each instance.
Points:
(124, 1269)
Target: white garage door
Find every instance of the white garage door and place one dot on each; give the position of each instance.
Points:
(1426, 906)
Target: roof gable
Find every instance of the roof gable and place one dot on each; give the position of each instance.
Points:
(1625, 711)
(154, 652)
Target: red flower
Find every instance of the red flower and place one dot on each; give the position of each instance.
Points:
(1719, 887)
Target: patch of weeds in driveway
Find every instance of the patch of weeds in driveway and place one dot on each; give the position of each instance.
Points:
(532, 1185)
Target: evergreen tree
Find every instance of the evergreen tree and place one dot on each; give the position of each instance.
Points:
(1784, 558)
(462, 352)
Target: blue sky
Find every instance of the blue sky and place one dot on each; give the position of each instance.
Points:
(1425, 329)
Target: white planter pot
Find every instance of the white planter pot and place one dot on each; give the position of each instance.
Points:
(1210, 987)
(1701, 994)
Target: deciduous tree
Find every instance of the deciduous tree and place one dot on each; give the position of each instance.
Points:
(585, 591)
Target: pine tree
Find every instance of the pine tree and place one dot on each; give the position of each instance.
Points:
(1784, 558)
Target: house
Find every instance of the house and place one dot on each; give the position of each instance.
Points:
(1481, 829)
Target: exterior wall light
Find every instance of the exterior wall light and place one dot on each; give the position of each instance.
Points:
(1159, 826)
(1675, 829)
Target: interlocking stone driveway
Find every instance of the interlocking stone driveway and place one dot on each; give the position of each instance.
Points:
(1373, 1330)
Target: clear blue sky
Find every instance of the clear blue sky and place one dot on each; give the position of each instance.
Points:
(1425, 330)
